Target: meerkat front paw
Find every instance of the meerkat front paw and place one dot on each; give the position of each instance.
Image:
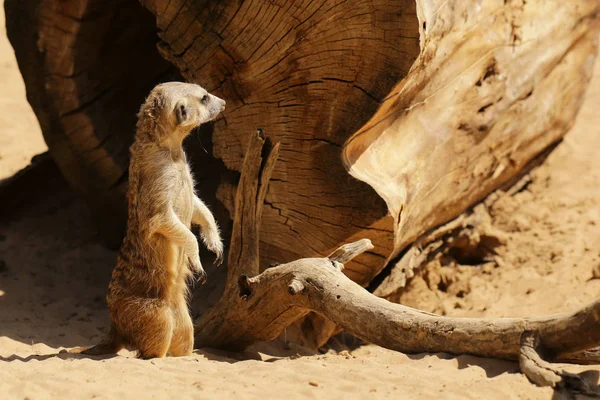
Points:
(213, 242)
(217, 248)
(196, 266)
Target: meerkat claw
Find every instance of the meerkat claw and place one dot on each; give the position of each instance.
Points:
(218, 259)
(195, 264)
(202, 276)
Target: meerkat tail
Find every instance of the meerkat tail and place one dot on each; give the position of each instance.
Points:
(110, 345)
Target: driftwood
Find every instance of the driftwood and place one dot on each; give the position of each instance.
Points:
(258, 306)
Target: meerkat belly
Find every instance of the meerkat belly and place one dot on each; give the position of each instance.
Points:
(183, 202)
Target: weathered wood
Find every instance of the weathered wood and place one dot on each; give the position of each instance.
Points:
(494, 85)
(221, 320)
(259, 162)
(270, 301)
(544, 373)
(474, 224)
(259, 307)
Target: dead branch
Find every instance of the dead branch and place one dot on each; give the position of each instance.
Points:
(281, 294)
(544, 373)
(257, 307)
(252, 189)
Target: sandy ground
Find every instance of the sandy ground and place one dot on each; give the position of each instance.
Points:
(54, 273)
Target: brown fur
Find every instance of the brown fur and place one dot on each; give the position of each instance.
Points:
(147, 296)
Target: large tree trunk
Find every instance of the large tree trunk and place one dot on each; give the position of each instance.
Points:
(431, 104)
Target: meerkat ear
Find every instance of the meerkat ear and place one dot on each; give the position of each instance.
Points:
(153, 105)
(149, 111)
(182, 111)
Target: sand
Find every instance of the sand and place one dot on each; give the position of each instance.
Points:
(54, 273)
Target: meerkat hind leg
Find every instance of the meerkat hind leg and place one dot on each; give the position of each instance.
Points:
(151, 330)
(182, 342)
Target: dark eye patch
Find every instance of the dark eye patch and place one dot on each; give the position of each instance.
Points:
(204, 99)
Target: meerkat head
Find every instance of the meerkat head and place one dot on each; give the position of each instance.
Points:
(174, 109)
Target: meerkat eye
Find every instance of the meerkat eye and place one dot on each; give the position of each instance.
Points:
(182, 111)
(204, 99)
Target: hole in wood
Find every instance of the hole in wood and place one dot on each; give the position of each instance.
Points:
(244, 286)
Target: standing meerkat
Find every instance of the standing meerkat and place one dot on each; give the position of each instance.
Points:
(148, 292)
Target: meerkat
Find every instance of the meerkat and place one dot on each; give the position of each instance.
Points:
(148, 293)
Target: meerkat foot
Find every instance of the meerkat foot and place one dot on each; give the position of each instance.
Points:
(182, 342)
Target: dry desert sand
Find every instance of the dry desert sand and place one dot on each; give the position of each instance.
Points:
(54, 273)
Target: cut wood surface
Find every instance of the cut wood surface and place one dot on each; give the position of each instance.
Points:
(309, 72)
